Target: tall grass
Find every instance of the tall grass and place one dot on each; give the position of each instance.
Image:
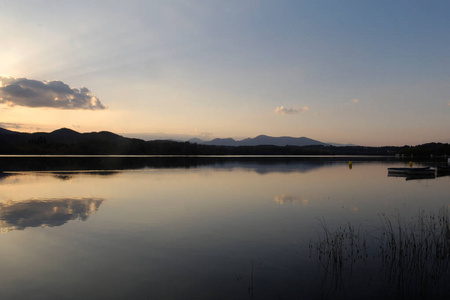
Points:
(412, 256)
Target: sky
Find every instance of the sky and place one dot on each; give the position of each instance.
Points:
(369, 73)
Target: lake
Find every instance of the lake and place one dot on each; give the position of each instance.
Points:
(221, 228)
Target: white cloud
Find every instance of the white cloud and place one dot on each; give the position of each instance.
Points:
(290, 111)
(55, 94)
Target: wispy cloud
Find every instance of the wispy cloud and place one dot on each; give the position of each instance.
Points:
(25, 127)
(54, 94)
(290, 111)
(203, 134)
(350, 102)
(10, 125)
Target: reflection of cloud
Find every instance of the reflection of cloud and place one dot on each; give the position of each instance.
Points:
(284, 199)
(56, 94)
(290, 111)
(15, 215)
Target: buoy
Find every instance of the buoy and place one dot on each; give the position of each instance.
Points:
(350, 165)
(410, 164)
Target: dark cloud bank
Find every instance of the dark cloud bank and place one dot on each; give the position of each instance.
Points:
(55, 94)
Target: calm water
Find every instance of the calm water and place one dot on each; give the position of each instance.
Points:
(179, 228)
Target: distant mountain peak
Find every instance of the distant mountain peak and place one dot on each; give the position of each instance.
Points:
(261, 140)
(65, 131)
(225, 140)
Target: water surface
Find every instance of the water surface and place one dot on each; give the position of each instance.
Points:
(200, 229)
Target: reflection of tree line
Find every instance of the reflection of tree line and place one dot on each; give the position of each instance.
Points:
(70, 175)
(406, 260)
(65, 175)
(18, 215)
(260, 164)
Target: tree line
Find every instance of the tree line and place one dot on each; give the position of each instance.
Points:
(106, 143)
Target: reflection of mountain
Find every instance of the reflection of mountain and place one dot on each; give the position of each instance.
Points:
(64, 175)
(70, 175)
(15, 215)
(278, 167)
(4, 175)
(260, 164)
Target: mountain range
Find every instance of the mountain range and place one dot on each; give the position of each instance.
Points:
(262, 140)
(69, 142)
(69, 135)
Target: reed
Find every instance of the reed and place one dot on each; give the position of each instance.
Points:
(413, 254)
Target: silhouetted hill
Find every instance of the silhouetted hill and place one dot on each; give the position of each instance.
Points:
(221, 142)
(11, 136)
(62, 141)
(262, 140)
(281, 141)
(70, 142)
(65, 133)
(5, 131)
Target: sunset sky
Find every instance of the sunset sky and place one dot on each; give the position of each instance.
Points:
(363, 72)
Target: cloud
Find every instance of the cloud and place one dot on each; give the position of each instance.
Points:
(10, 125)
(290, 111)
(350, 102)
(25, 127)
(204, 134)
(54, 94)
